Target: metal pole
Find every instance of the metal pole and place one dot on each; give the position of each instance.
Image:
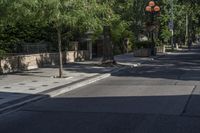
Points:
(186, 29)
(172, 23)
(90, 48)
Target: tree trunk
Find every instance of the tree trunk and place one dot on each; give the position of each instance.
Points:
(108, 57)
(60, 53)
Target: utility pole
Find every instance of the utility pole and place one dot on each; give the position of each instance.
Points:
(172, 24)
(187, 30)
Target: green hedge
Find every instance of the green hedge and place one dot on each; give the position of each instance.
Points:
(145, 44)
(2, 53)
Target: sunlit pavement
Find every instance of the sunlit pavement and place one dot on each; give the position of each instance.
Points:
(17, 89)
(160, 96)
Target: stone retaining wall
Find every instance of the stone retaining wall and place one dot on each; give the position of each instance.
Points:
(143, 52)
(33, 61)
(161, 49)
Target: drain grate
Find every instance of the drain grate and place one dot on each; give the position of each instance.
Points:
(56, 82)
(34, 81)
(7, 87)
(21, 84)
(44, 85)
(32, 88)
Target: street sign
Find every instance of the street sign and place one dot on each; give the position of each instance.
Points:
(171, 25)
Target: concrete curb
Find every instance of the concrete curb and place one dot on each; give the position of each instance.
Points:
(65, 88)
(160, 56)
(61, 90)
(82, 83)
(78, 85)
(15, 106)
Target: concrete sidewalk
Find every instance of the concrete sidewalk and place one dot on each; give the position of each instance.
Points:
(20, 88)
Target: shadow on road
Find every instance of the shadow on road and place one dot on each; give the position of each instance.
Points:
(106, 114)
(184, 67)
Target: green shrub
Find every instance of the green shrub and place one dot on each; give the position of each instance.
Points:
(145, 44)
(2, 53)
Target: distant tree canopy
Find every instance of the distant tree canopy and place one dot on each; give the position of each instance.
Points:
(35, 20)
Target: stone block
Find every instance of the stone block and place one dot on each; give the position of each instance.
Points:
(144, 52)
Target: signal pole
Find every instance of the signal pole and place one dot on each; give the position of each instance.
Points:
(172, 24)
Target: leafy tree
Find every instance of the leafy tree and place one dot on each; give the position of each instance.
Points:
(71, 18)
(76, 14)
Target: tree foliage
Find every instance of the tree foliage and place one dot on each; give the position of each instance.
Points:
(35, 20)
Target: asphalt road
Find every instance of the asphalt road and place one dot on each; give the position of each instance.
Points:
(160, 96)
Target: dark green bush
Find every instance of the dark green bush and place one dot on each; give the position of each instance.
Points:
(2, 53)
(144, 44)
